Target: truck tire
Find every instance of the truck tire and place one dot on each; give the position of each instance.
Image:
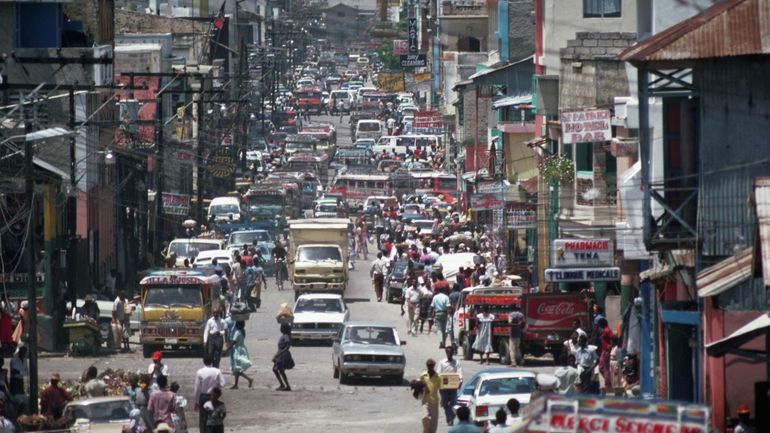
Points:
(467, 349)
(502, 350)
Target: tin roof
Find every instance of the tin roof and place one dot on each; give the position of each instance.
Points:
(728, 28)
(726, 274)
(762, 204)
(741, 336)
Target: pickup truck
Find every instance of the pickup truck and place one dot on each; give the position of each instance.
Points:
(318, 255)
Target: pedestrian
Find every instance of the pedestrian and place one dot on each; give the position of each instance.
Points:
(93, 386)
(7, 311)
(157, 368)
(179, 417)
(214, 334)
(119, 319)
(20, 332)
(586, 360)
(426, 300)
(567, 376)
(501, 416)
(449, 396)
(440, 306)
(216, 412)
(238, 279)
(450, 328)
(514, 419)
(605, 336)
(430, 397)
(207, 379)
(411, 306)
(464, 424)
(615, 361)
(282, 360)
(483, 342)
(19, 375)
(517, 321)
(744, 420)
(6, 425)
(54, 397)
(253, 279)
(239, 355)
(162, 403)
(377, 273)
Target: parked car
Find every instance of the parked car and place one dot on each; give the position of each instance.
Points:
(98, 414)
(465, 392)
(493, 391)
(368, 349)
(318, 316)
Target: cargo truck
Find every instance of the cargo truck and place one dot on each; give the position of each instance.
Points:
(318, 255)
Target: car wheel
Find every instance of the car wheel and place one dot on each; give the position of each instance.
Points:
(343, 378)
(336, 373)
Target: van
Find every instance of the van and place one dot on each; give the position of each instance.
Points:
(368, 128)
(340, 100)
(223, 209)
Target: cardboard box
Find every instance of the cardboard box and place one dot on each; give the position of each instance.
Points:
(449, 380)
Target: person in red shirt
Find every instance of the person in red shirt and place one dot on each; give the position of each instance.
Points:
(605, 336)
(54, 398)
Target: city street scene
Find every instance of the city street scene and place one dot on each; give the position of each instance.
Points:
(385, 216)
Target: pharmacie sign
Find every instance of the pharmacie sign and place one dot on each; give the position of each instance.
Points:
(582, 252)
(575, 275)
(587, 126)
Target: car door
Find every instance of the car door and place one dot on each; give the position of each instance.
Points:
(337, 347)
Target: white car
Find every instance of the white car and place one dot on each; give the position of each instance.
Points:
(493, 390)
(424, 227)
(205, 258)
(318, 316)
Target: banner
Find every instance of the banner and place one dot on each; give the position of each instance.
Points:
(390, 82)
(176, 204)
(486, 202)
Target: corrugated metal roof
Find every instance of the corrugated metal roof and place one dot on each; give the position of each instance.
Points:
(513, 100)
(728, 28)
(741, 336)
(762, 204)
(726, 274)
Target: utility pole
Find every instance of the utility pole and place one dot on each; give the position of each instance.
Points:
(201, 168)
(159, 186)
(72, 207)
(31, 275)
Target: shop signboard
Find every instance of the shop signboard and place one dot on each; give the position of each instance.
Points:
(521, 216)
(176, 204)
(413, 60)
(586, 126)
(400, 46)
(221, 162)
(486, 202)
(390, 82)
(572, 275)
(491, 187)
(428, 122)
(412, 36)
(567, 253)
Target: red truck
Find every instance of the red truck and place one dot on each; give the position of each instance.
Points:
(550, 320)
(309, 99)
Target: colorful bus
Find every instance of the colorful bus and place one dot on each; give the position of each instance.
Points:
(356, 187)
(441, 184)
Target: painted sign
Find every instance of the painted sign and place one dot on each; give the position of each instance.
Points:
(607, 423)
(567, 253)
(491, 187)
(588, 126)
(566, 275)
(521, 216)
(390, 82)
(549, 311)
(427, 122)
(221, 162)
(412, 36)
(400, 46)
(413, 60)
(486, 202)
(176, 204)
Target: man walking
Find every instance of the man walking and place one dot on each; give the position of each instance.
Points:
(586, 360)
(377, 273)
(449, 396)
(430, 398)
(440, 306)
(119, 317)
(516, 319)
(410, 306)
(206, 379)
(214, 335)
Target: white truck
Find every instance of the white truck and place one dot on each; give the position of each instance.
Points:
(318, 255)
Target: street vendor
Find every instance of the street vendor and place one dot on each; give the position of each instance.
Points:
(89, 308)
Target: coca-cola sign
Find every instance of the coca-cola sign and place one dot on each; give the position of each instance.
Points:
(556, 309)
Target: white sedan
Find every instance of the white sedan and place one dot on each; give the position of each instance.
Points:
(493, 390)
(318, 316)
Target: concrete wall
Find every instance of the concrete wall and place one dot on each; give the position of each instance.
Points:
(521, 29)
(136, 22)
(455, 28)
(564, 18)
(97, 17)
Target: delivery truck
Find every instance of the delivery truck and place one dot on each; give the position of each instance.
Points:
(318, 255)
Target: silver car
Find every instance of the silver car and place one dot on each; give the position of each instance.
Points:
(368, 349)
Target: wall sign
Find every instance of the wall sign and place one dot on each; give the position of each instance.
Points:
(553, 275)
(413, 61)
(586, 126)
(567, 253)
(176, 204)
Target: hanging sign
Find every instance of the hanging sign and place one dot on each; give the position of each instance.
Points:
(555, 275)
(582, 252)
(587, 126)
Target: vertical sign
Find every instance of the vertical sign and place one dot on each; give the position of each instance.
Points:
(412, 27)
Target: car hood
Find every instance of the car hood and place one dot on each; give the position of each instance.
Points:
(501, 400)
(371, 349)
(312, 317)
(105, 427)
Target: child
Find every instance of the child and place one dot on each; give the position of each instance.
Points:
(215, 423)
(180, 421)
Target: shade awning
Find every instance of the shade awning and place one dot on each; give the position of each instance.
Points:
(741, 336)
(726, 274)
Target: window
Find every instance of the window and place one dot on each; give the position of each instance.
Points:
(584, 157)
(601, 8)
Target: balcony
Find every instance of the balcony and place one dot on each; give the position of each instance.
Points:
(463, 8)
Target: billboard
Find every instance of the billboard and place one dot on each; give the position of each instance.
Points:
(390, 82)
(568, 253)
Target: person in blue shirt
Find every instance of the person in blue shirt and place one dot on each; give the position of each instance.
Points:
(464, 424)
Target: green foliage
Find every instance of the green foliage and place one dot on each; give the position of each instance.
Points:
(557, 168)
(389, 61)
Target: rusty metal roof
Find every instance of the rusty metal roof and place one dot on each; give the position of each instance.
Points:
(762, 207)
(728, 28)
(726, 274)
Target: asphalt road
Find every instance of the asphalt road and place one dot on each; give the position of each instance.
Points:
(317, 400)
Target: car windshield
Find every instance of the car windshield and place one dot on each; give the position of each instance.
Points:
(172, 296)
(507, 385)
(369, 126)
(424, 225)
(317, 254)
(190, 249)
(101, 412)
(218, 209)
(318, 306)
(241, 238)
(371, 335)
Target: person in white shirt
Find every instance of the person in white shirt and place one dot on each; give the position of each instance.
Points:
(214, 334)
(377, 273)
(411, 306)
(449, 396)
(206, 379)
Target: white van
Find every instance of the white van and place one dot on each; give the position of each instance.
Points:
(368, 128)
(222, 209)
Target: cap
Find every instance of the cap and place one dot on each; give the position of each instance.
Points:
(157, 356)
(743, 409)
(163, 427)
(55, 376)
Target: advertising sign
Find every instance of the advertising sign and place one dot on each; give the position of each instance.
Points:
(413, 61)
(486, 202)
(547, 311)
(176, 204)
(390, 82)
(412, 32)
(567, 253)
(556, 275)
(586, 126)
(604, 423)
(221, 162)
(428, 122)
(400, 47)
(521, 216)
(491, 187)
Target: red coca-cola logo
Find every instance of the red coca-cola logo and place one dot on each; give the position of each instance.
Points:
(556, 309)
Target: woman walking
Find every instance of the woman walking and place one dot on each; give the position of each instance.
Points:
(282, 359)
(483, 343)
(239, 356)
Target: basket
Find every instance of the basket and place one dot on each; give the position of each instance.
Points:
(240, 316)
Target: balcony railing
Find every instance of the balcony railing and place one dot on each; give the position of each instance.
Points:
(676, 225)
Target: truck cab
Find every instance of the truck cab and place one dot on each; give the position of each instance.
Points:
(318, 255)
(500, 301)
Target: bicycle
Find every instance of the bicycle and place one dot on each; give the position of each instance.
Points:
(280, 272)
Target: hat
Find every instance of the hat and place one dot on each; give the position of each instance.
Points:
(743, 409)
(55, 376)
(157, 356)
(163, 427)
(88, 298)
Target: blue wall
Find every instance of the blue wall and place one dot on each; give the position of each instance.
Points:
(37, 25)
